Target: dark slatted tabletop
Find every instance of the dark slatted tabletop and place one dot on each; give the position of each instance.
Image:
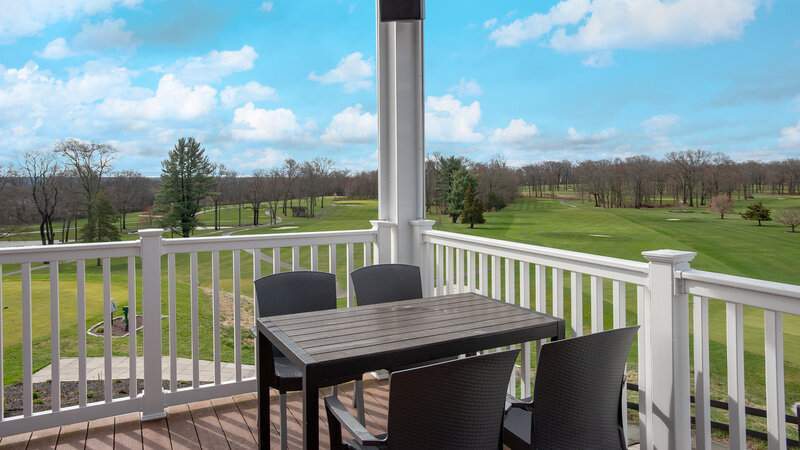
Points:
(335, 343)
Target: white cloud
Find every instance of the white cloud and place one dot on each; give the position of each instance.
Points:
(631, 24)
(253, 91)
(212, 66)
(266, 6)
(55, 49)
(446, 120)
(352, 126)
(172, 100)
(660, 122)
(573, 134)
(107, 35)
(258, 124)
(790, 137)
(600, 59)
(490, 23)
(567, 12)
(352, 71)
(517, 132)
(467, 88)
(260, 158)
(27, 18)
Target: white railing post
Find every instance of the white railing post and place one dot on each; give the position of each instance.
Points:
(383, 229)
(422, 257)
(153, 398)
(668, 327)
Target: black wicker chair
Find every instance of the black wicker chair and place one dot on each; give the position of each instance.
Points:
(290, 293)
(452, 405)
(576, 399)
(386, 283)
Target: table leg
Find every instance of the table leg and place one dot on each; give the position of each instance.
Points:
(264, 366)
(310, 411)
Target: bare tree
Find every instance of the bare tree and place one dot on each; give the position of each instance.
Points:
(790, 218)
(89, 161)
(223, 178)
(130, 191)
(721, 204)
(290, 172)
(256, 192)
(43, 173)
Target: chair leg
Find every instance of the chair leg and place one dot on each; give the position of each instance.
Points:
(284, 438)
(358, 401)
(359, 386)
(335, 390)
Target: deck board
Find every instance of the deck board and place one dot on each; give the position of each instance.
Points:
(228, 422)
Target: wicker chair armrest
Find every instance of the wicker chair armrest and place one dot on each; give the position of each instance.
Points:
(339, 416)
(253, 332)
(513, 402)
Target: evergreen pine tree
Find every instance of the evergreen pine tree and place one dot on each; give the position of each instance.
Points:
(757, 211)
(102, 223)
(186, 178)
(473, 209)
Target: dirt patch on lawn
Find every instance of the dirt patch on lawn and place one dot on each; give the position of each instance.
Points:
(226, 310)
(117, 327)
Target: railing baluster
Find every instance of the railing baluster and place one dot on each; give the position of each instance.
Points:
(776, 395)
(596, 284)
(448, 267)
(295, 259)
(216, 318)
(525, 302)
(80, 276)
(133, 387)
(540, 287)
(276, 260)
(107, 326)
(195, 321)
(471, 287)
(558, 292)
(497, 292)
(55, 340)
(314, 257)
(736, 393)
(511, 285)
(702, 369)
(332, 258)
(173, 325)
(619, 319)
(540, 277)
(483, 267)
(511, 298)
(350, 296)
(439, 282)
(27, 344)
(576, 294)
(237, 315)
(256, 275)
(459, 270)
(644, 364)
(367, 254)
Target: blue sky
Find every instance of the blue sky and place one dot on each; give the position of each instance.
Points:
(260, 81)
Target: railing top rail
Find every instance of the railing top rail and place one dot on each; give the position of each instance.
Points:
(749, 291)
(185, 245)
(35, 253)
(604, 266)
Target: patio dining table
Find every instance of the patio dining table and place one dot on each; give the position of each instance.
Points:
(332, 344)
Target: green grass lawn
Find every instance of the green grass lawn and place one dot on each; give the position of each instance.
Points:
(732, 246)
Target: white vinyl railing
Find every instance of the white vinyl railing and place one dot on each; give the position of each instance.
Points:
(151, 251)
(457, 263)
(513, 272)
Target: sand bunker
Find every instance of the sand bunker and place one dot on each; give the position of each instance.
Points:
(673, 220)
(285, 228)
(599, 235)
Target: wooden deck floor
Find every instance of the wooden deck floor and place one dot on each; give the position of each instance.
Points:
(217, 424)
